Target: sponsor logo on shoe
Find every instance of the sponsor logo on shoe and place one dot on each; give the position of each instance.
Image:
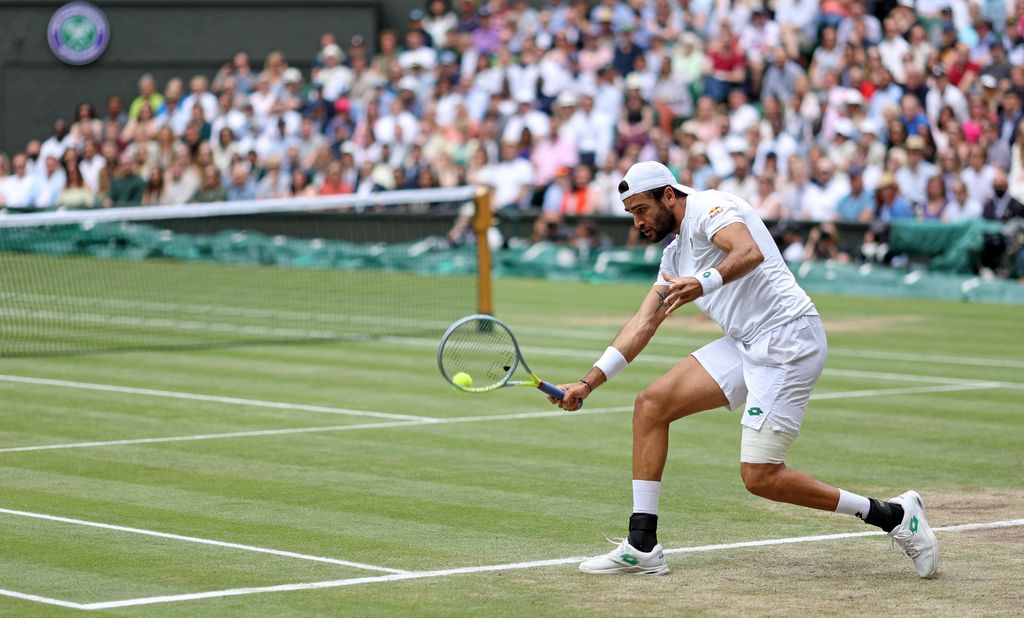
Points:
(755, 411)
(629, 559)
(913, 524)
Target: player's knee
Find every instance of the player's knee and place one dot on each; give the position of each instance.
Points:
(648, 407)
(761, 479)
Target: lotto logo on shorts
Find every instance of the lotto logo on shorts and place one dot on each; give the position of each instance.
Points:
(754, 411)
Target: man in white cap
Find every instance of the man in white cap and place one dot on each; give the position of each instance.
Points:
(725, 261)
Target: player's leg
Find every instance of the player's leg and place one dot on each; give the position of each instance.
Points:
(709, 379)
(781, 372)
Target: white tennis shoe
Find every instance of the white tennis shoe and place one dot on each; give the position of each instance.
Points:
(915, 536)
(625, 559)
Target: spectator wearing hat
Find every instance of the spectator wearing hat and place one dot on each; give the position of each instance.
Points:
(913, 177)
(334, 78)
(889, 204)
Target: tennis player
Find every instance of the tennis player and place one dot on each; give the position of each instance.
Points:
(724, 260)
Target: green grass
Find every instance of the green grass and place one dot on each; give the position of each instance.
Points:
(437, 496)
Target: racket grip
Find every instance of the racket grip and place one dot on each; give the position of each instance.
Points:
(553, 390)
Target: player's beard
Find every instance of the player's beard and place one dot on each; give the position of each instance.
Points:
(664, 223)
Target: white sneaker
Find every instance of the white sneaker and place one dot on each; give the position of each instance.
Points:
(627, 559)
(915, 536)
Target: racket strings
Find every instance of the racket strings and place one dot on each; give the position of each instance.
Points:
(483, 350)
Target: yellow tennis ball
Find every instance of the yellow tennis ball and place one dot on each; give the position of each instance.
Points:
(463, 379)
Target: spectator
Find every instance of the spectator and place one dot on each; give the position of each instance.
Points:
(154, 191)
(978, 175)
(859, 203)
(241, 186)
(741, 182)
(934, 206)
(889, 205)
(913, 177)
(19, 190)
(821, 199)
(961, 207)
(1001, 206)
(147, 95)
(127, 187)
(511, 179)
(768, 203)
(728, 66)
(51, 181)
(333, 184)
(211, 189)
(823, 244)
(75, 193)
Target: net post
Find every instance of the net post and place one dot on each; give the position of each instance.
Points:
(481, 224)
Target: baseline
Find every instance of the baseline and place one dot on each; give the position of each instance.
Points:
(508, 567)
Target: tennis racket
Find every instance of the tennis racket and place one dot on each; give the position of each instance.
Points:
(479, 354)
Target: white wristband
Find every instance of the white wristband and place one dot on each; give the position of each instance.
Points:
(710, 280)
(611, 363)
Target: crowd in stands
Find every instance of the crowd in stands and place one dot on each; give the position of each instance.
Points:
(853, 110)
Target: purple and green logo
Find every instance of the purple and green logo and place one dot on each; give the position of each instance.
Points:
(78, 33)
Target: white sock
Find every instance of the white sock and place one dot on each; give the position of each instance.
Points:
(645, 496)
(852, 504)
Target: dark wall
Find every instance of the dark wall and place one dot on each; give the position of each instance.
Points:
(167, 39)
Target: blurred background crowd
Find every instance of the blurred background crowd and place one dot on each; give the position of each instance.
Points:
(839, 110)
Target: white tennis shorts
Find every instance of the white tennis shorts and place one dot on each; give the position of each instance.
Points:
(772, 376)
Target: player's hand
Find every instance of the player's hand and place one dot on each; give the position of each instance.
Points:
(575, 393)
(681, 290)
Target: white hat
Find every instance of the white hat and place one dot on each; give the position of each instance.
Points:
(634, 81)
(736, 144)
(567, 98)
(407, 82)
(870, 126)
(332, 50)
(844, 127)
(854, 97)
(648, 175)
(292, 76)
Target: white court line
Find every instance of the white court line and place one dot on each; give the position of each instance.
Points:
(909, 390)
(319, 429)
(238, 401)
(337, 583)
(39, 599)
(192, 539)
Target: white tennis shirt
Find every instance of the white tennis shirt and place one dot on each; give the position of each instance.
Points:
(763, 299)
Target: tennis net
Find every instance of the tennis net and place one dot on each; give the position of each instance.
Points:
(402, 263)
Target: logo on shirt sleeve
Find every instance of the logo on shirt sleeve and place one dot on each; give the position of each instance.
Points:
(714, 212)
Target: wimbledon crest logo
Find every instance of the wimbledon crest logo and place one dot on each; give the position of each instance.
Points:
(78, 33)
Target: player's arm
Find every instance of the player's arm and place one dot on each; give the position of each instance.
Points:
(626, 346)
(742, 256)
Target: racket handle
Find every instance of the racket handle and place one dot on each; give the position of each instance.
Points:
(553, 390)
